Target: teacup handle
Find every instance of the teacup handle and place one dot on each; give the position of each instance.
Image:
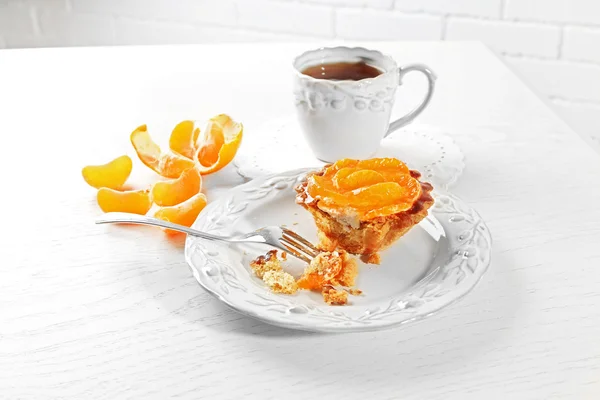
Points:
(431, 77)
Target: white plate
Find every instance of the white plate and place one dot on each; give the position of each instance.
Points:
(435, 155)
(436, 263)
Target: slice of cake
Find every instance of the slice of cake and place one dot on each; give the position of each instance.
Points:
(364, 206)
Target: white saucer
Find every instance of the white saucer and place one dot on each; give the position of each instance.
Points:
(278, 145)
(435, 264)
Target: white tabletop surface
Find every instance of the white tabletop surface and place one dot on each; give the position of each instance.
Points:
(97, 312)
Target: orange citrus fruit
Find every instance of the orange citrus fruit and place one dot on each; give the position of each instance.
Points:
(170, 193)
(218, 144)
(183, 139)
(112, 175)
(184, 213)
(169, 165)
(132, 201)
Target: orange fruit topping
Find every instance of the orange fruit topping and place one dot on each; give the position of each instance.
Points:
(383, 163)
(184, 213)
(367, 188)
(170, 193)
(169, 165)
(358, 179)
(112, 175)
(132, 201)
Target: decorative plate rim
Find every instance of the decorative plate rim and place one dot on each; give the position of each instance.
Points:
(334, 320)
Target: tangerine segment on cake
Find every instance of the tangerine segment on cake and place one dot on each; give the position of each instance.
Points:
(363, 206)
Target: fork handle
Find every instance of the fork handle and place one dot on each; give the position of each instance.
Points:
(129, 218)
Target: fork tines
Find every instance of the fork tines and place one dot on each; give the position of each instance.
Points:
(298, 246)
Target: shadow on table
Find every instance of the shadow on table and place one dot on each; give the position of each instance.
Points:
(455, 337)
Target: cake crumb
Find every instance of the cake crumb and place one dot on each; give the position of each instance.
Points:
(268, 262)
(334, 297)
(349, 272)
(371, 258)
(327, 272)
(331, 272)
(321, 271)
(280, 282)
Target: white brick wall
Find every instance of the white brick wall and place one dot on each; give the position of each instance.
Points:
(220, 12)
(62, 28)
(386, 4)
(382, 25)
(514, 38)
(474, 8)
(285, 16)
(17, 24)
(567, 11)
(581, 44)
(554, 43)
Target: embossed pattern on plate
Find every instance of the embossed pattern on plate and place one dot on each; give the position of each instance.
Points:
(266, 152)
(436, 263)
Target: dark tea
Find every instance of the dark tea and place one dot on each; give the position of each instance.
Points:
(343, 71)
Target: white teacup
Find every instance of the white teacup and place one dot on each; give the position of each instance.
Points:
(349, 118)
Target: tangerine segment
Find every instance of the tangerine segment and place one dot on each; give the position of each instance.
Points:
(343, 163)
(212, 141)
(112, 175)
(341, 175)
(170, 193)
(219, 144)
(169, 165)
(133, 201)
(320, 188)
(360, 178)
(383, 163)
(384, 192)
(184, 213)
(183, 139)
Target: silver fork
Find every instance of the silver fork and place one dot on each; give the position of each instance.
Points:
(279, 237)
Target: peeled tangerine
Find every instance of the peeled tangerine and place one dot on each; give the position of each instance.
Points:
(184, 213)
(112, 175)
(218, 144)
(183, 139)
(173, 192)
(133, 201)
(169, 165)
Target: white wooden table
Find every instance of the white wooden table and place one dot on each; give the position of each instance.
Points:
(96, 312)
